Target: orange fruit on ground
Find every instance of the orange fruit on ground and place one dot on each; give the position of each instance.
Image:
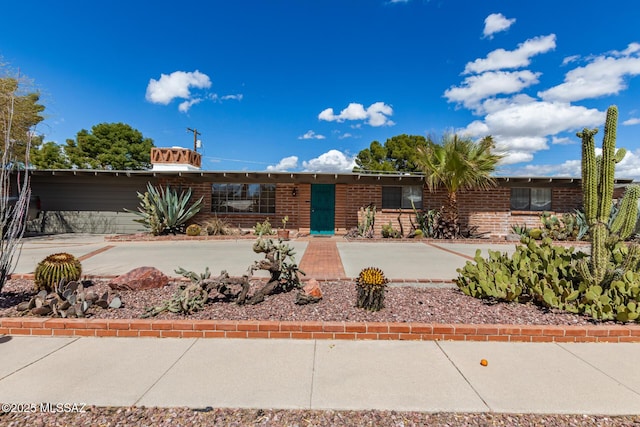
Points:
(484, 362)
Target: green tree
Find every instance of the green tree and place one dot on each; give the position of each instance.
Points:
(49, 156)
(19, 113)
(115, 146)
(458, 164)
(25, 112)
(398, 154)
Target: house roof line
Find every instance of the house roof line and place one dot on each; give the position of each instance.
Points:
(304, 177)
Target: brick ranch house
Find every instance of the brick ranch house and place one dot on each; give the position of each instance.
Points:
(316, 203)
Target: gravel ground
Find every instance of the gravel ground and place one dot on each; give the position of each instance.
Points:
(252, 417)
(402, 304)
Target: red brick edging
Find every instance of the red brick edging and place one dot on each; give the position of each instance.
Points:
(316, 330)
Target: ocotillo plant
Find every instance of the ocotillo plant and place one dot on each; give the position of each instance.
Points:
(597, 189)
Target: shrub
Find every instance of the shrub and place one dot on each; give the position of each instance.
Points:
(218, 227)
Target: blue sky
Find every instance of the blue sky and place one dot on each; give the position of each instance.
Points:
(304, 85)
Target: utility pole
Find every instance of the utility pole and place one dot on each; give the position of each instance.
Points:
(195, 138)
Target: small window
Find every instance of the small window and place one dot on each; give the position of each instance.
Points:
(401, 197)
(531, 199)
(243, 198)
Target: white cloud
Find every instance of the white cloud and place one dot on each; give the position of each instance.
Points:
(603, 75)
(184, 106)
(537, 118)
(175, 85)
(476, 88)
(311, 135)
(520, 130)
(236, 97)
(217, 98)
(495, 23)
(562, 141)
(284, 165)
(628, 168)
(570, 59)
(377, 114)
(569, 168)
(521, 57)
(331, 161)
(512, 157)
(345, 136)
(630, 122)
(631, 49)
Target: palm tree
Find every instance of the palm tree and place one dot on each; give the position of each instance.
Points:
(458, 163)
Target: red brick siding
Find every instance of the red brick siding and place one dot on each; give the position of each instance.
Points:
(304, 207)
(488, 210)
(286, 205)
(357, 196)
(342, 208)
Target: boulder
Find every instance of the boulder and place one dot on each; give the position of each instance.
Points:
(139, 279)
(309, 294)
(312, 288)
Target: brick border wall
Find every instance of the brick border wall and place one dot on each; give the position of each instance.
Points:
(316, 330)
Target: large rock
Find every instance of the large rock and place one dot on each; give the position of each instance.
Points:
(312, 288)
(139, 279)
(309, 294)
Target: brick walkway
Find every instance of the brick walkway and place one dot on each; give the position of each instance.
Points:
(321, 260)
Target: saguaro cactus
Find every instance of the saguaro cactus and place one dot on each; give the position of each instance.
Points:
(597, 189)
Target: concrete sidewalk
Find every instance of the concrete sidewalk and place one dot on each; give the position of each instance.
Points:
(430, 376)
(402, 262)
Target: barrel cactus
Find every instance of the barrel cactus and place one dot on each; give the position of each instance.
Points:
(51, 270)
(194, 230)
(370, 286)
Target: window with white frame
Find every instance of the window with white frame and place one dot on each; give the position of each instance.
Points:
(243, 198)
(531, 199)
(402, 197)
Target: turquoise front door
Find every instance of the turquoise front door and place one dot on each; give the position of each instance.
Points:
(323, 205)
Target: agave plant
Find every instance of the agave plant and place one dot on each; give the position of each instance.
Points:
(163, 211)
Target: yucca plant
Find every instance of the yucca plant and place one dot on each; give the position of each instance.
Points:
(54, 268)
(163, 211)
(370, 286)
